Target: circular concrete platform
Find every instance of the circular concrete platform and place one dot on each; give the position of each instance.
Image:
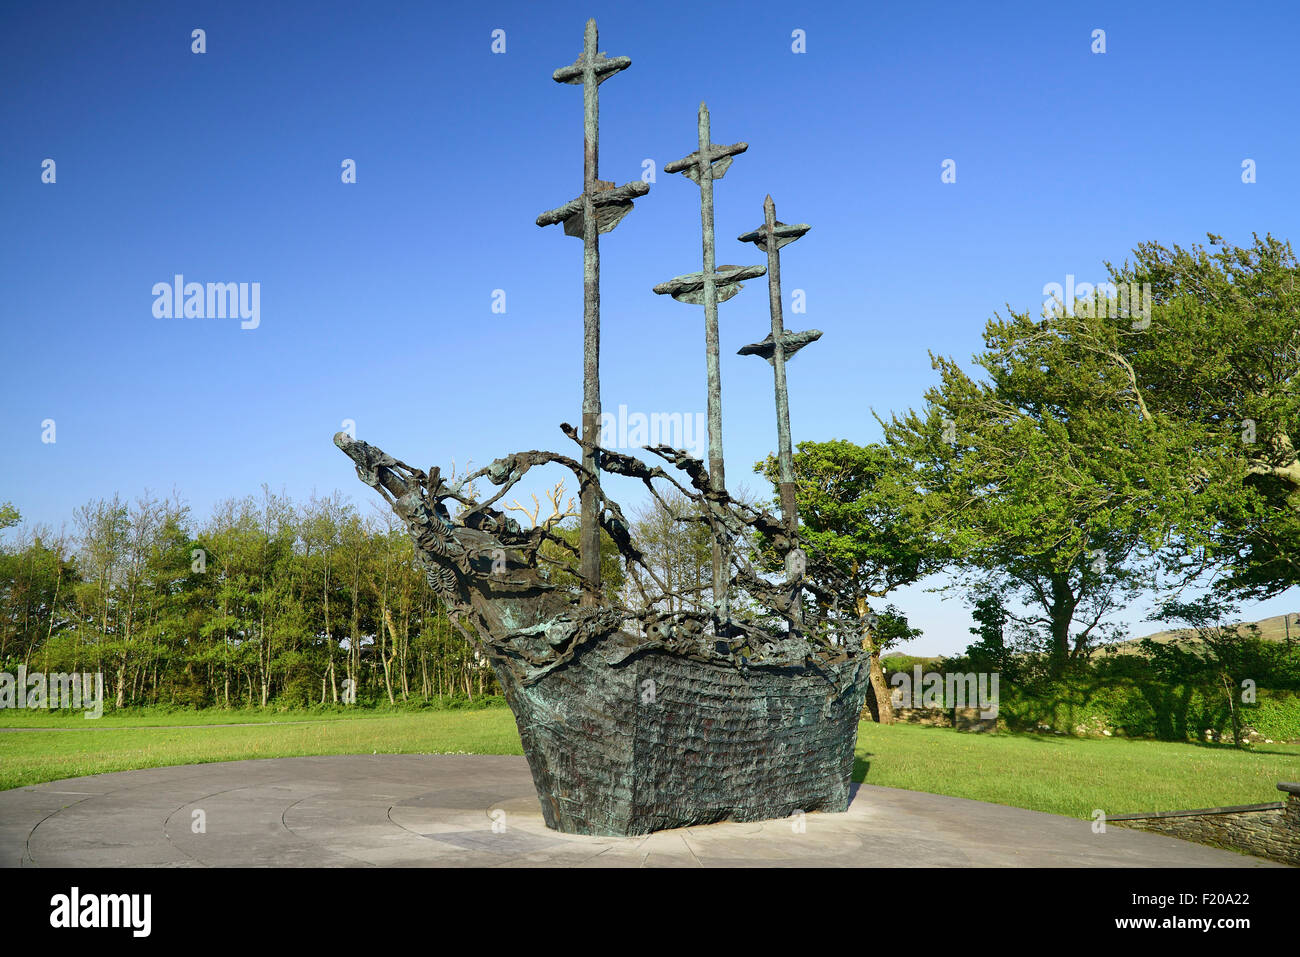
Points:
(479, 810)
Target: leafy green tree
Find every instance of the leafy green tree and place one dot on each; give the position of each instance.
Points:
(994, 651)
(1103, 440)
(861, 514)
(1050, 481)
(1218, 365)
(35, 613)
(103, 527)
(322, 524)
(263, 602)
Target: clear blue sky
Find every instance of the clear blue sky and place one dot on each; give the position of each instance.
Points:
(376, 297)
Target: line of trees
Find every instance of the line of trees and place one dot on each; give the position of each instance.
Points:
(269, 602)
(265, 601)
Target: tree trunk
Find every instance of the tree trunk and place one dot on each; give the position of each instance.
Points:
(884, 699)
(388, 658)
(1061, 614)
(1229, 688)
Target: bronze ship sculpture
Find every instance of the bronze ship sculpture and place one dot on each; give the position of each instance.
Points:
(739, 701)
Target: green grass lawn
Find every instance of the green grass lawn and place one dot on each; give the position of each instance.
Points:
(1072, 776)
(62, 749)
(1061, 775)
(149, 717)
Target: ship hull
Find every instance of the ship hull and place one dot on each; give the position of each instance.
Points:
(622, 742)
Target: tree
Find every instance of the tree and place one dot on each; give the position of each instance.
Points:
(103, 527)
(859, 512)
(993, 652)
(560, 559)
(34, 578)
(1053, 483)
(322, 522)
(677, 549)
(245, 609)
(1219, 363)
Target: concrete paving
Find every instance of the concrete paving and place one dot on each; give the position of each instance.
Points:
(479, 810)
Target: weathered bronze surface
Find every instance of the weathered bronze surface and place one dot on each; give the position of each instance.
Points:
(636, 719)
(791, 342)
(598, 210)
(709, 287)
(776, 349)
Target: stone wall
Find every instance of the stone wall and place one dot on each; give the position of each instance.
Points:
(963, 719)
(1264, 830)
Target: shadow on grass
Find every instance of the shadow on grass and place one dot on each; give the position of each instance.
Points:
(1253, 749)
(861, 767)
(1041, 737)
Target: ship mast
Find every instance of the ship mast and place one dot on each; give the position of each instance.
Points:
(598, 210)
(708, 288)
(776, 349)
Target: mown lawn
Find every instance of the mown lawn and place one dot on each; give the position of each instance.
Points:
(1061, 775)
(140, 717)
(1072, 776)
(66, 750)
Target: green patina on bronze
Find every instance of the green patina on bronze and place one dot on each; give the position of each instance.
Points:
(637, 720)
(708, 163)
(598, 210)
(776, 349)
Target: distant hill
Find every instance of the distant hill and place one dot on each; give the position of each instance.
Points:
(1270, 629)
